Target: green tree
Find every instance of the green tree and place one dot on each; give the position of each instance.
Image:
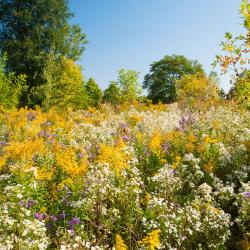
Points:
(11, 87)
(30, 30)
(94, 92)
(64, 86)
(160, 82)
(240, 91)
(129, 85)
(112, 94)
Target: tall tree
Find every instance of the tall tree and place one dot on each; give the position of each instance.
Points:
(160, 82)
(112, 94)
(94, 92)
(64, 86)
(129, 84)
(30, 30)
(11, 87)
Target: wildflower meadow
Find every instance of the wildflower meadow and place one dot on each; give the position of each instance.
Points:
(144, 177)
(159, 162)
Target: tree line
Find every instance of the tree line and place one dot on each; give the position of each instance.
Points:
(39, 51)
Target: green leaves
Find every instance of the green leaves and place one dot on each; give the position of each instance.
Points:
(11, 86)
(160, 82)
(235, 49)
(94, 93)
(228, 36)
(30, 31)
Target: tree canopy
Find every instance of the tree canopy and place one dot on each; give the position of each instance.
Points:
(160, 82)
(64, 86)
(30, 31)
(112, 94)
(129, 85)
(94, 92)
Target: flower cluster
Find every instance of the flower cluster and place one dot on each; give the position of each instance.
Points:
(147, 177)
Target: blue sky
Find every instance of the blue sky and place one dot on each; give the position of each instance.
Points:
(132, 34)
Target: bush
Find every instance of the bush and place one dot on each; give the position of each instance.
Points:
(11, 87)
(64, 87)
(196, 88)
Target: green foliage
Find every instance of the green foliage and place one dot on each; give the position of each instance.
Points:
(30, 31)
(64, 87)
(11, 87)
(112, 94)
(236, 49)
(94, 92)
(129, 85)
(160, 82)
(125, 89)
(241, 90)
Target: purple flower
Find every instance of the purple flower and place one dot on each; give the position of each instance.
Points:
(22, 203)
(166, 147)
(65, 200)
(246, 195)
(125, 138)
(123, 125)
(80, 155)
(69, 193)
(3, 143)
(48, 225)
(40, 216)
(97, 148)
(62, 216)
(173, 171)
(43, 133)
(30, 203)
(185, 121)
(73, 222)
(53, 218)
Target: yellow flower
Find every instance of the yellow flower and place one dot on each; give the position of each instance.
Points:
(2, 162)
(214, 210)
(208, 140)
(208, 167)
(177, 161)
(147, 198)
(115, 156)
(44, 174)
(67, 160)
(134, 119)
(68, 182)
(174, 165)
(43, 210)
(139, 136)
(155, 142)
(189, 147)
(151, 241)
(191, 138)
(201, 148)
(25, 150)
(119, 243)
(163, 161)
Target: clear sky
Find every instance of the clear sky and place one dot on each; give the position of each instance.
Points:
(132, 34)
